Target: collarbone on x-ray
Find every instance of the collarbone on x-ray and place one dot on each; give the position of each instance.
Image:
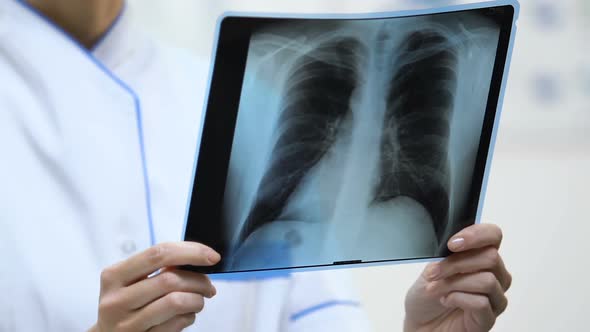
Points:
(356, 139)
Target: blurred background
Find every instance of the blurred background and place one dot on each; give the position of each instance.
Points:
(538, 186)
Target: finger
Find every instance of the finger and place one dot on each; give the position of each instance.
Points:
(483, 283)
(477, 308)
(476, 260)
(166, 308)
(162, 255)
(476, 236)
(148, 290)
(175, 324)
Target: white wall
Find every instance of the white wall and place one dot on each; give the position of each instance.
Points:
(538, 189)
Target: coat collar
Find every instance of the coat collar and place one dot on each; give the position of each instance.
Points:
(43, 47)
(120, 42)
(38, 36)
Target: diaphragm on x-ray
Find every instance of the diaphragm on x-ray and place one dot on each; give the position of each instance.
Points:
(356, 139)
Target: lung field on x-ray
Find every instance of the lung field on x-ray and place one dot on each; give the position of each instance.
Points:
(415, 139)
(356, 139)
(312, 115)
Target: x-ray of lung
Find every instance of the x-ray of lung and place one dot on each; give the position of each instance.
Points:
(356, 139)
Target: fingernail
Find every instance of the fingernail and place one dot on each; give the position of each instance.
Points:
(433, 272)
(213, 257)
(457, 244)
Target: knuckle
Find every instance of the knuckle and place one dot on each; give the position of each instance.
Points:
(500, 234)
(199, 304)
(109, 304)
(176, 300)
(452, 298)
(481, 303)
(123, 326)
(431, 289)
(169, 281)
(493, 320)
(188, 320)
(107, 276)
(508, 281)
(504, 305)
(212, 290)
(492, 257)
(156, 254)
(106, 306)
(489, 281)
(204, 279)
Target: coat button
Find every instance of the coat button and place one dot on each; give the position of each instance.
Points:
(128, 247)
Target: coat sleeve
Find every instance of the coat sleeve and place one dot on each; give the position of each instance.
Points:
(324, 301)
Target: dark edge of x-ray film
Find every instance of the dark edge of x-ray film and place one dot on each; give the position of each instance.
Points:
(205, 214)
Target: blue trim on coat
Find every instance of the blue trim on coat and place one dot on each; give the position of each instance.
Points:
(324, 305)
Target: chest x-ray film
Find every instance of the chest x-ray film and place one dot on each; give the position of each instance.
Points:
(347, 139)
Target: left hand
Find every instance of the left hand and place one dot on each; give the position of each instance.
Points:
(466, 291)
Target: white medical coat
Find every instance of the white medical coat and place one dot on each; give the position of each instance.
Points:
(97, 148)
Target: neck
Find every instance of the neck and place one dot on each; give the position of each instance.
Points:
(85, 20)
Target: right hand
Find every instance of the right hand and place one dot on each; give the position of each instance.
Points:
(169, 301)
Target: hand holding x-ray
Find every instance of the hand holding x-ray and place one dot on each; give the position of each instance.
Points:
(464, 292)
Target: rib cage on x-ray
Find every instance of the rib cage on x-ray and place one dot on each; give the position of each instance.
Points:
(416, 124)
(324, 84)
(317, 102)
(414, 148)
